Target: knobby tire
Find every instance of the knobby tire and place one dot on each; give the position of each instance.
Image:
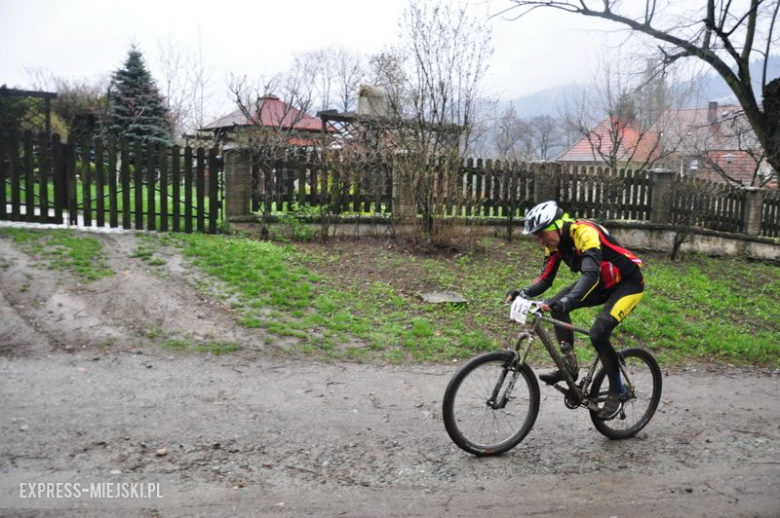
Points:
(637, 411)
(471, 422)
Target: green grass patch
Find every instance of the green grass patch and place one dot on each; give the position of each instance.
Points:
(218, 348)
(698, 309)
(147, 255)
(176, 344)
(327, 299)
(62, 249)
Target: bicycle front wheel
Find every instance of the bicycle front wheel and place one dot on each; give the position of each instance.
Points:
(490, 404)
(645, 376)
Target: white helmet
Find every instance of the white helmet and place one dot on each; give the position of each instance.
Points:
(541, 216)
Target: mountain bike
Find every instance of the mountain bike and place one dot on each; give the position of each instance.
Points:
(492, 401)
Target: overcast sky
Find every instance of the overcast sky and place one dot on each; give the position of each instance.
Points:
(90, 38)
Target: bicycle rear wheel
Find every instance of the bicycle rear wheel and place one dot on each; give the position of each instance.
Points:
(645, 375)
(490, 404)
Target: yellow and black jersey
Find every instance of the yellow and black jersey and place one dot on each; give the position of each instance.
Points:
(587, 247)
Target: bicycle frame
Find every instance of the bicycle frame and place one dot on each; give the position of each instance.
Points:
(483, 416)
(578, 393)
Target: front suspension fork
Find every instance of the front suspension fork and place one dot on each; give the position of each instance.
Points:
(495, 402)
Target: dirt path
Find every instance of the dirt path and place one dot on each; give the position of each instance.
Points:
(89, 395)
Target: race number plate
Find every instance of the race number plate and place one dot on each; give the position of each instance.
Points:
(519, 311)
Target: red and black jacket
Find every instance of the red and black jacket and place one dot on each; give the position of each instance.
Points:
(586, 247)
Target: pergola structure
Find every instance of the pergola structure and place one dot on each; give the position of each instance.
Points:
(35, 116)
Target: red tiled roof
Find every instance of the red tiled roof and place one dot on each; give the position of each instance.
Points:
(736, 161)
(738, 165)
(694, 131)
(716, 138)
(720, 135)
(633, 144)
(271, 113)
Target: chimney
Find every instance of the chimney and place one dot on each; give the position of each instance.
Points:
(712, 112)
(372, 101)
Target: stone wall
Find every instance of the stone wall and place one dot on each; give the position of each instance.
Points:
(661, 238)
(635, 236)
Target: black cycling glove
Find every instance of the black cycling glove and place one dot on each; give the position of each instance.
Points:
(557, 306)
(511, 295)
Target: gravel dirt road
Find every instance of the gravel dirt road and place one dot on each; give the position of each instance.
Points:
(89, 396)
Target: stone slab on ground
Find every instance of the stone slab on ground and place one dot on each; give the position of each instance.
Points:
(443, 297)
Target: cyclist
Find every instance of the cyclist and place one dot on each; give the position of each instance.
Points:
(610, 275)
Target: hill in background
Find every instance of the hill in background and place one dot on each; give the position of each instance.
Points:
(552, 101)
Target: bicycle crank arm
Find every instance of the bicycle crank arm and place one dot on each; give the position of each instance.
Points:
(567, 391)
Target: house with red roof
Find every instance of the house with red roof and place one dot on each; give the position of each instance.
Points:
(615, 142)
(714, 143)
(271, 113)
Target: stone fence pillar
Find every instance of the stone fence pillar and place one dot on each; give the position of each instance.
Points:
(238, 184)
(404, 207)
(754, 201)
(661, 201)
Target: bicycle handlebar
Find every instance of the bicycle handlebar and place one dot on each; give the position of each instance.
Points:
(522, 308)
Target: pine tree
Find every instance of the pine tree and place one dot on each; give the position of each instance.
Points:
(135, 106)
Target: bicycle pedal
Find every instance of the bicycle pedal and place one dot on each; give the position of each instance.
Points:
(618, 412)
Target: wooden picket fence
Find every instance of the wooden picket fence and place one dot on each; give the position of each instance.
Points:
(130, 185)
(301, 180)
(487, 188)
(506, 190)
(605, 194)
(481, 188)
(115, 184)
(709, 205)
(770, 215)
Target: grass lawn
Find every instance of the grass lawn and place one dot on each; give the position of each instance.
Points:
(360, 299)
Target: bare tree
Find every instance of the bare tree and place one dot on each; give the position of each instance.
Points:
(512, 136)
(337, 73)
(184, 86)
(653, 96)
(547, 135)
(434, 80)
(387, 70)
(200, 78)
(724, 34)
(271, 128)
(80, 103)
(350, 70)
(608, 117)
(314, 65)
(176, 93)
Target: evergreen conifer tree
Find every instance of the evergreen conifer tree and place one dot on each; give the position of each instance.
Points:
(135, 106)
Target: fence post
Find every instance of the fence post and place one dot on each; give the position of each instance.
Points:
(661, 200)
(404, 207)
(754, 202)
(238, 184)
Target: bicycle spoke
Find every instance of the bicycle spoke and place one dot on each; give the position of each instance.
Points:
(645, 380)
(474, 421)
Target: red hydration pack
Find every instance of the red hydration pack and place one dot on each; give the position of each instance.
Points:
(610, 274)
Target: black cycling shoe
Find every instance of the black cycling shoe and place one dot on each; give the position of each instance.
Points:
(611, 405)
(556, 376)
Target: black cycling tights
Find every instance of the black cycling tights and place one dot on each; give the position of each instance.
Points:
(621, 300)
